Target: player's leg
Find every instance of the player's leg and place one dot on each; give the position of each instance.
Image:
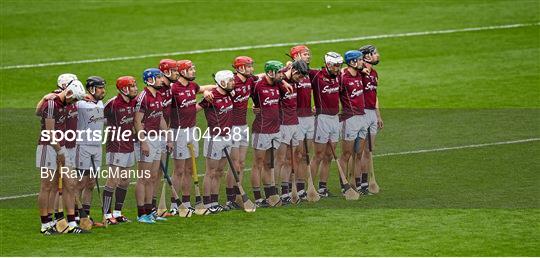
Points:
(371, 123)
(108, 191)
(141, 191)
(187, 182)
(70, 189)
(47, 184)
(119, 197)
(179, 167)
(256, 170)
(230, 189)
(216, 178)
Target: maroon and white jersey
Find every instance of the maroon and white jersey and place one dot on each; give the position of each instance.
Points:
(266, 98)
(218, 113)
(287, 114)
(119, 115)
(326, 91)
(351, 95)
(184, 108)
(166, 96)
(71, 123)
(370, 89)
(242, 91)
(152, 108)
(54, 109)
(303, 98)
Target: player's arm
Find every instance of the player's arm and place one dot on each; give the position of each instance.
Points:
(286, 87)
(380, 123)
(198, 107)
(164, 127)
(139, 132)
(40, 103)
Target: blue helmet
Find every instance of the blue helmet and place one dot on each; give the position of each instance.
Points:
(151, 73)
(352, 55)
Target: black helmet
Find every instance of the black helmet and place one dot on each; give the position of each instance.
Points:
(367, 49)
(95, 81)
(301, 67)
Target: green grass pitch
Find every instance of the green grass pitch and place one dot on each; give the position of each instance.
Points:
(436, 91)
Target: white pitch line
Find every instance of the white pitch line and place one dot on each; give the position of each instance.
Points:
(379, 155)
(315, 42)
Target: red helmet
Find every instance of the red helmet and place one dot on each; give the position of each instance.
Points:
(298, 49)
(125, 81)
(166, 65)
(241, 61)
(184, 65)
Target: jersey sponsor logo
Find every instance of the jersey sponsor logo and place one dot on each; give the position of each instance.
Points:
(154, 114)
(268, 101)
(72, 114)
(356, 93)
(304, 85)
(225, 109)
(126, 120)
(290, 95)
(370, 86)
(240, 99)
(187, 103)
(166, 102)
(96, 118)
(330, 90)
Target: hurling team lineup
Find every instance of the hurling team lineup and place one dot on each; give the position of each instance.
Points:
(301, 114)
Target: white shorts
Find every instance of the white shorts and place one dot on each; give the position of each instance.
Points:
(371, 120)
(154, 151)
(263, 141)
(121, 159)
(70, 157)
(46, 157)
(354, 126)
(306, 127)
(83, 154)
(182, 137)
(288, 133)
(241, 134)
(214, 146)
(326, 128)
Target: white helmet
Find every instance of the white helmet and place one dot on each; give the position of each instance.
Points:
(333, 58)
(64, 79)
(77, 89)
(223, 76)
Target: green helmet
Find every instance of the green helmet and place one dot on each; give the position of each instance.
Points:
(273, 65)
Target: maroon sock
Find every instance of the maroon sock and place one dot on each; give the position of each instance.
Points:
(206, 199)
(140, 211)
(148, 208)
(267, 191)
(185, 198)
(44, 219)
(70, 218)
(358, 181)
(154, 202)
(119, 196)
(230, 194)
(323, 184)
(284, 188)
(273, 190)
(257, 193)
(236, 190)
(300, 186)
(214, 198)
